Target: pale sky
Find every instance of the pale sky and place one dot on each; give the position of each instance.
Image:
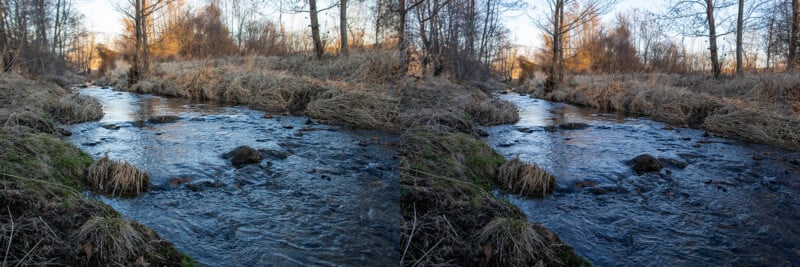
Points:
(104, 19)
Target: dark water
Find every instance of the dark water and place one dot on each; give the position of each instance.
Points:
(731, 204)
(333, 201)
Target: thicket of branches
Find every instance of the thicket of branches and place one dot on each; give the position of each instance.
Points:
(43, 37)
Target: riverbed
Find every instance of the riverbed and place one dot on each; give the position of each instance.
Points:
(716, 202)
(323, 195)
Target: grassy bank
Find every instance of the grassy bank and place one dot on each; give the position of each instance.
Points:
(449, 214)
(761, 109)
(44, 217)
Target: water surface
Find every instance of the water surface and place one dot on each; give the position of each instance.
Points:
(333, 201)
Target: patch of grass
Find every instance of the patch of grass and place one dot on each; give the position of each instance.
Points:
(117, 178)
(111, 240)
(455, 155)
(512, 242)
(76, 108)
(526, 179)
(43, 156)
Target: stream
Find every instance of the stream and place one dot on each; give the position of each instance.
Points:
(323, 195)
(716, 202)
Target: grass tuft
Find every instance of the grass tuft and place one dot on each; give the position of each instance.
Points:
(111, 240)
(525, 179)
(117, 178)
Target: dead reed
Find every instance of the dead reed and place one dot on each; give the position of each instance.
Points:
(525, 179)
(117, 178)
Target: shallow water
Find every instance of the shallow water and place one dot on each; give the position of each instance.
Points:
(332, 201)
(731, 204)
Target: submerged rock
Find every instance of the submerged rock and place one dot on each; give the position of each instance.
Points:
(111, 126)
(163, 119)
(573, 126)
(243, 155)
(524, 130)
(550, 129)
(275, 153)
(646, 163)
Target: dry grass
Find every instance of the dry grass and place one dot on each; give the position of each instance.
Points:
(76, 108)
(111, 240)
(757, 108)
(525, 179)
(494, 112)
(757, 126)
(117, 178)
(368, 110)
(513, 242)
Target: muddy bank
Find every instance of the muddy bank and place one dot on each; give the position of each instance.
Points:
(317, 194)
(45, 218)
(714, 201)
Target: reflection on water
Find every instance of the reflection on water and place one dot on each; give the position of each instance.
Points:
(717, 201)
(332, 201)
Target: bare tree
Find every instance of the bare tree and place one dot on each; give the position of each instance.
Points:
(140, 13)
(557, 26)
(343, 26)
(699, 20)
(795, 23)
(739, 32)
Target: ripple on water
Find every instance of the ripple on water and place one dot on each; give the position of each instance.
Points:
(721, 202)
(314, 207)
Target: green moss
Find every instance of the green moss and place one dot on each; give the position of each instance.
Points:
(187, 261)
(455, 155)
(43, 156)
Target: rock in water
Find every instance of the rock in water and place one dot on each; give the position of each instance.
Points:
(573, 126)
(163, 119)
(646, 163)
(243, 155)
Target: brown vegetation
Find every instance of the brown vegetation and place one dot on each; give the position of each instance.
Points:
(755, 108)
(526, 179)
(116, 178)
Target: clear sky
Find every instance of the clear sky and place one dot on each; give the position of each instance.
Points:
(104, 19)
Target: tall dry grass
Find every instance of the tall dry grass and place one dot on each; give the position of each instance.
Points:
(117, 178)
(514, 242)
(110, 240)
(526, 179)
(757, 108)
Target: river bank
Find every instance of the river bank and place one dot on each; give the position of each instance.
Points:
(46, 218)
(446, 173)
(758, 108)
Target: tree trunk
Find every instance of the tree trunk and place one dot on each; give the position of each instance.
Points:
(791, 60)
(4, 48)
(401, 36)
(739, 32)
(554, 76)
(315, 29)
(712, 39)
(343, 26)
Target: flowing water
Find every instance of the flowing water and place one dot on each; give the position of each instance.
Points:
(332, 201)
(716, 202)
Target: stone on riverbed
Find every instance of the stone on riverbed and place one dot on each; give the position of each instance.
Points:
(646, 163)
(573, 126)
(243, 155)
(163, 119)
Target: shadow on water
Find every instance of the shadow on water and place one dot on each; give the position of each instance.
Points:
(327, 196)
(716, 202)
